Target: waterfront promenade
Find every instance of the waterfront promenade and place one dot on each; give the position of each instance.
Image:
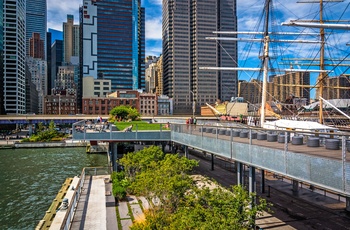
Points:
(309, 210)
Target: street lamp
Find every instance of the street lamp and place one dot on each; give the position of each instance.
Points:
(193, 104)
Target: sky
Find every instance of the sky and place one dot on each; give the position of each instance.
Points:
(249, 13)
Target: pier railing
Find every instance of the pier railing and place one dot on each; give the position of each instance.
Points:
(89, 171)
(317, 158)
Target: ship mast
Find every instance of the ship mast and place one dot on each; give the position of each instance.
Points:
(322, 76)
(266, 63)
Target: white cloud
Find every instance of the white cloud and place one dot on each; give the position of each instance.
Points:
(58, 10)
(154, 28)
(156, 2)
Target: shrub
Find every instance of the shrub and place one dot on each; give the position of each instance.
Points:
(119, 192)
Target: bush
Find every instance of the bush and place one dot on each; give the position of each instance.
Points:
(119, 192)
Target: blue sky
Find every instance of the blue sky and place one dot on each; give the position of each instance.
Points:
(248, 12)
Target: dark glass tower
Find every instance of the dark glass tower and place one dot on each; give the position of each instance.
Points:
(2, 108)
(186, 24)
(36, 20)
(121, 43)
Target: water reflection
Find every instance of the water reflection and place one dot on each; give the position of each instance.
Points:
(31, 178)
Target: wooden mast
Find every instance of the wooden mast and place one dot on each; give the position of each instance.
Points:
(266, 63)
(322, 75)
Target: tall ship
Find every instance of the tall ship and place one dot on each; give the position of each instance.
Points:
(303, 68)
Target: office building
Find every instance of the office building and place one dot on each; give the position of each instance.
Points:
(36, 46)
(2, 107)
(96, 87)
(118, 28)
(14, 27)
(55, 35)
(88, 21)
(165, 105)
(36, 21)
(32, 102)
(185, 51)
(60, 103)
(337, 88)
(48, 61)
(290, 85)
(250, 91)
(56, 60)
(70, 39)
(38, 71)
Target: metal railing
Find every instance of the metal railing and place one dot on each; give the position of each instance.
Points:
(318, 164)
(90, 171)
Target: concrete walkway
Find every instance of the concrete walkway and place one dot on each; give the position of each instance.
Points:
(96, 206)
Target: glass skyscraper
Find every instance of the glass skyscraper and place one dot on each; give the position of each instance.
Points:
(36, 20)
(14, 56)
(186, 24)
(121, 43)
(2, 108)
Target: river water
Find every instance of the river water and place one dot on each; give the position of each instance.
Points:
(31, 178)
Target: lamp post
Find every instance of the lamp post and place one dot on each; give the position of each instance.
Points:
(193, 104)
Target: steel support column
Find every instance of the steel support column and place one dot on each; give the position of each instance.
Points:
(347, 204)
(252, 180)
(239, 173)
(262, 186)
(186, 151)
(295, 187)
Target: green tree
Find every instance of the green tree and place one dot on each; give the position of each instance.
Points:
(167, 180)
(135, 162)
(124, 112)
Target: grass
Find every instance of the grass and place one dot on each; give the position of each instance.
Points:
(139, 125)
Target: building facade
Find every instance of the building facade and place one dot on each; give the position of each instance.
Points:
(88, 20)
(36, 47)
(2, 104)
(250, 91)
(36, 21)
(14, 37)
(38, 70)
(56, 60)
(96, 87)
(185, 50)
(337, 88)
(70, 39)
(148, 104)
(120, 38)
(32, 102)
(102, 105)
(165, 105)
(60, 103)
(290, 85)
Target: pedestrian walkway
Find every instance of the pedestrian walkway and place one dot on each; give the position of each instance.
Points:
(97, 208)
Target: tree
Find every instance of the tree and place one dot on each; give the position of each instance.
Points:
(124, 112)
(135, 162)
(182, 201)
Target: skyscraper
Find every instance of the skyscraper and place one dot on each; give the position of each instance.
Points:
(36, 46)
(119, 30)
(2, 108)
(70, 39)
(36, 20)
(185, 50)
(14, 56)
(88, 20)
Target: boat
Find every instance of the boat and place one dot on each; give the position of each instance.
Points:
(267, 39)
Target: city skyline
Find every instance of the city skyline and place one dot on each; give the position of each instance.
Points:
(247, 13)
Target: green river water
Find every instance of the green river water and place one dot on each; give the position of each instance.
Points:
(31, 178)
